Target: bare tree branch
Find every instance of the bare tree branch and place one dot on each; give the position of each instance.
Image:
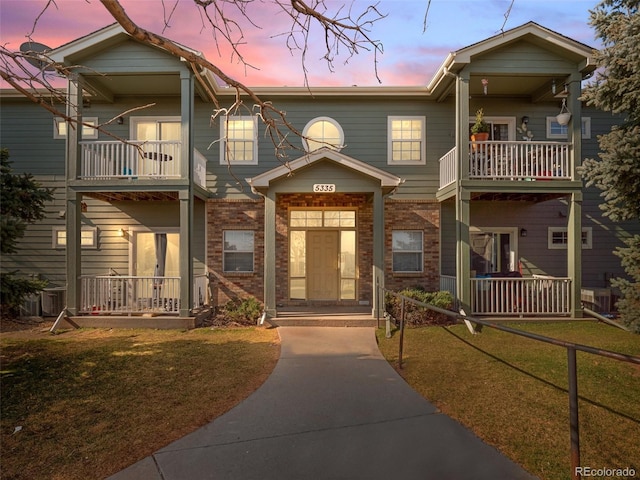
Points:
(342, 30)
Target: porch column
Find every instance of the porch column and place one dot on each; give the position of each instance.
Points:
(463, 256)
(463, 196)
(186, 197)
(462, 125)
(186, 252)
(270, 254)
(575, 123)
(574, 252)
(378, 252)
(73, 199)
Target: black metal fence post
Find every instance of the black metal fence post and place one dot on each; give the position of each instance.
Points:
(401, 334)
(573, 412)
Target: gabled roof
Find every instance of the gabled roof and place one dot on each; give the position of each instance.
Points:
(562, 46)
(388, 181)
(100, 39)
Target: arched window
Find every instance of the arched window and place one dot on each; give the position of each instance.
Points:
(323, 132)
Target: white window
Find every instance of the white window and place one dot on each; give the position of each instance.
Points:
(239, 143)
(88, 237)
(322, 132)
(558, 238)
(88, 132)
(555, 130)
(407, 250)
(406, 142)
(237, 255)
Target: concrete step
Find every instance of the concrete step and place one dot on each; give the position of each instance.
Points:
(325, 317)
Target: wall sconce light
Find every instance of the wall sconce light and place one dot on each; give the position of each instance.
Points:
(523, 232)
(485, 85)
(553, 87)
(120, 121)
(122, 233)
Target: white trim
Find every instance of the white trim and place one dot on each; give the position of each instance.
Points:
(88, 133)
(223, 139)
(330, 120)
(264, 179)
(135, 230)
(585, 126)
(587, 242)
(252, 251)
(60, 242)
(423, 140)
(134, 121)
(510, 122)
(514, 234)
(421, 251)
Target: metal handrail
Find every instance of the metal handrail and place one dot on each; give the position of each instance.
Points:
(571, 347)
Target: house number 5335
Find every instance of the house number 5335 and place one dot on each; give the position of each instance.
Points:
(324, 187)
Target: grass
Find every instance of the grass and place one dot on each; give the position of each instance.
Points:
(512, 392)
(88, 403)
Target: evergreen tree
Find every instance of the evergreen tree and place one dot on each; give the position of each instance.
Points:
(22, 202)
(617, 172)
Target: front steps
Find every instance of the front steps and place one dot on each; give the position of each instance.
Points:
(324, 317)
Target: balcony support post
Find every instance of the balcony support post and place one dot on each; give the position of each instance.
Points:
(73, 199)
(463, 247)
(186, 196)
(574, 252)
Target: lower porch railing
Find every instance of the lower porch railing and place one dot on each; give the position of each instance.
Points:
(521, 296)
(126, 294)
(537, 295)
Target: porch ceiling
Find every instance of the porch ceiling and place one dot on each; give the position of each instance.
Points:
(132, 196)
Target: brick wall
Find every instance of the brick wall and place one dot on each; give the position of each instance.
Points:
(235, 215)
(249, 214)
(412, 215)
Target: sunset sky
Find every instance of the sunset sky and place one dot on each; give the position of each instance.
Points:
(410, 57)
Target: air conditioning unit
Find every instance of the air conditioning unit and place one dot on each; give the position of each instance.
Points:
(53, 301)
(31, 306)
(597, 299)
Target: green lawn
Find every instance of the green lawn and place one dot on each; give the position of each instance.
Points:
(87, 403)
(512, 391)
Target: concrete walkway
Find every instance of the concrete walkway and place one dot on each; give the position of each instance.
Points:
(333, 408)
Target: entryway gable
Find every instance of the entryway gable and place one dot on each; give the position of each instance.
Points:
(324, 161)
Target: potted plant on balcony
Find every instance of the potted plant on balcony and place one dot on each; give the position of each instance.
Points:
(480, 129)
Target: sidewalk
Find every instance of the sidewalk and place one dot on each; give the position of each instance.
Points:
(333, 408)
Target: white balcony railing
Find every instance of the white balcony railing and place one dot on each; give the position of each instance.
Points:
(128, 294)
(113, 159)
(521, 296)
(495, 160)
(519, 160)
(133, 160)
(448, 168)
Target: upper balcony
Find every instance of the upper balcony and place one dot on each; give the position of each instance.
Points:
(153, 162)
(511, 161)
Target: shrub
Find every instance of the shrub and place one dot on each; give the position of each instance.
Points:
(416, 315)
(13, 292)
(244, 311)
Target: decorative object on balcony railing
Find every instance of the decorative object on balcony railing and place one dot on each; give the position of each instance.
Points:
(523, 130)
(480, 129)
